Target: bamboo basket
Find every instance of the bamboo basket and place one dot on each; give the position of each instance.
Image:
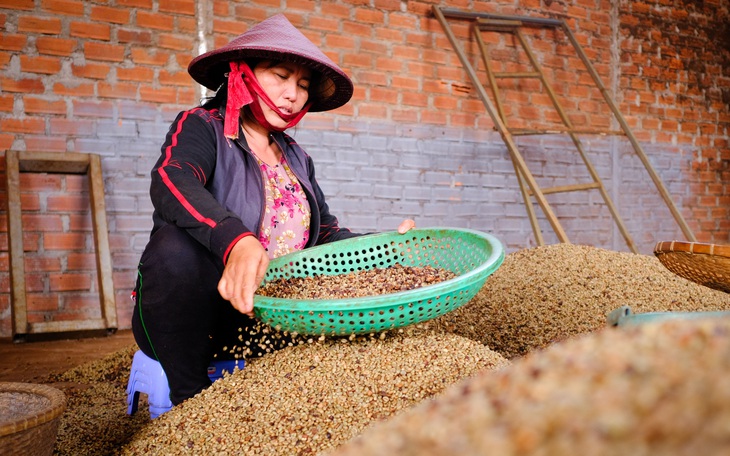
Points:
(706, 264)
(34, 415)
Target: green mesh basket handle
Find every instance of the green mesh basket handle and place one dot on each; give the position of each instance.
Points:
(470, 254)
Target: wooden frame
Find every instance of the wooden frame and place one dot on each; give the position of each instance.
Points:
(64, 163)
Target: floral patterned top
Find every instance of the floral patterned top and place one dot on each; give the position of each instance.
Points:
(285, 225)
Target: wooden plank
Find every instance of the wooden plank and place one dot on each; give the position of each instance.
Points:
(66, 325)
(54, 162)
(15, 241)
(101, 243)
(570, 188)
(559, 131)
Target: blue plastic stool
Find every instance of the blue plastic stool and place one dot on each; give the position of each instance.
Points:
(147, 376)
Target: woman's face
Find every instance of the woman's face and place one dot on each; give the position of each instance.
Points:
(286, 84)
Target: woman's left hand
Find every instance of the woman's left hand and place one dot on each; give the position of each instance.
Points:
(406, 225)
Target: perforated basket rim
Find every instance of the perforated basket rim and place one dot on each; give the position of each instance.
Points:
(382, 301)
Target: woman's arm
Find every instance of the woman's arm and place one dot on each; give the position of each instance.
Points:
(178, 189)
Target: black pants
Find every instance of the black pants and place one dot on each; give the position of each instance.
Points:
(179, 317)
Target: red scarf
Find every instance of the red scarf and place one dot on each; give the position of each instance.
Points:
(241, 83)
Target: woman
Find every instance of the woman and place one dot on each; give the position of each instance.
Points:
(230, 191)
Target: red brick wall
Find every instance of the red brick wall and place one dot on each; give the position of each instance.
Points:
(108, 77)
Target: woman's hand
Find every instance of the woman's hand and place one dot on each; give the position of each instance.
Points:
(243, 274)
(406, 225)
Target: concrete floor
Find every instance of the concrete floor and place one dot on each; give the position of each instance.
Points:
(36, 357)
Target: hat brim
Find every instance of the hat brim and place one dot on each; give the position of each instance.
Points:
(333, 90)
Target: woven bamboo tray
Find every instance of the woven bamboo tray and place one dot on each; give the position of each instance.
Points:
(706, 264)
(29, 419)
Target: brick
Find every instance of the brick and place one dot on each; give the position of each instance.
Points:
(40, 303)
(340, 42)
(69, 282)
(232, 28)
(50, 26)
(331, 9)
(31, 243)
(445, 103)
(369, 16)
(176, 42)
(6, 141)
(41, 222)
(12, 42)
(139, 74)
(40, 65)
(27, 5)
(383, 94)
(119, 90)
(76, 182)
(35, 105)
(356, 29)
(161, 95)
(374, 47)
(145, 57)
(80, 261)
(92, 109)
(402, 21)
(405, 115)
(388, 64)
(55, 46)
(74, 127)
(144, 4)
(68, 7)
(41, 264)
(91, 70)
(390, 35)
(6, 103)
(372, 78)
(372, 110)
(305, 5)
(181, 78)
(110, 14)
(103, 52)
(221, 9)
(187, 25)
(140, 37)
(79, 222)
(67, 203)
(90, 30)
(155, 21)
(76, 90)
(177, 6)
(324, 23)
(64, 241)
(45, 143)
(183, 59)
(23, 125)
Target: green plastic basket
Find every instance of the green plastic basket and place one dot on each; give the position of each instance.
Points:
(471, 255)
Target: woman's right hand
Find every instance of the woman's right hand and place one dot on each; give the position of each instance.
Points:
(243, 273)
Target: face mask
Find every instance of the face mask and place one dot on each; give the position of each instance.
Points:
(242, 85)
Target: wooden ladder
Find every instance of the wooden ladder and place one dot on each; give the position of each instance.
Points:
(529, 188)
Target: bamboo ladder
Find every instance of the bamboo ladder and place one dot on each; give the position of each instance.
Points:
(528, 186)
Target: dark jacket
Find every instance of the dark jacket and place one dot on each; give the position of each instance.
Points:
(212, 186)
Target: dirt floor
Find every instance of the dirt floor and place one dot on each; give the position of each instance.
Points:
(35, 358)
